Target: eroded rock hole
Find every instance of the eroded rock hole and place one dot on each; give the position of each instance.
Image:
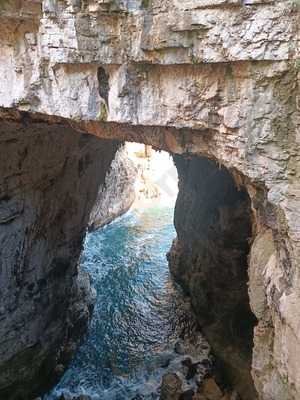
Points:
(53, 299)
(137, 314)
(143, 330)
(103, 82)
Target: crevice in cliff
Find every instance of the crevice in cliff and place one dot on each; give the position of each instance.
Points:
(103, 82)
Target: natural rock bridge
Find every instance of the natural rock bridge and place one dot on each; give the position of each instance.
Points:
(215, 83)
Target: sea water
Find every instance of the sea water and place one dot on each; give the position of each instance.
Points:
(139, 313)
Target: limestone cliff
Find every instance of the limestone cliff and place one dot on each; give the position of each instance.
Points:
(117, 194)
(212, 79)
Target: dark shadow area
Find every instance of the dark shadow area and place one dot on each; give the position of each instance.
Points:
(209, 259)
(103, 80)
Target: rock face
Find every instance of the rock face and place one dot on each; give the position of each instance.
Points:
(117, 194)
(49, 181)
(213, 79)
(214, 235)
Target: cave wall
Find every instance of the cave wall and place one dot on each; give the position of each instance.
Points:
(48, 183)
(211, 78)
(209, 259)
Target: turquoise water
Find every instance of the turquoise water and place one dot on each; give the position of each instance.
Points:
(138, 315)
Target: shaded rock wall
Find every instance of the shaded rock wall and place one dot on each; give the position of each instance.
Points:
(209, 259)
(48, 183)
(117, 194)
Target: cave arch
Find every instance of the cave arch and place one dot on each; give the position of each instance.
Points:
(49, 180)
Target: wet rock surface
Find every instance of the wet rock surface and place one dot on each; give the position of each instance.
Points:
(81, 397)
(171, 387)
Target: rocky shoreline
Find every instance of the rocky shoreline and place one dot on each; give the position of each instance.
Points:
(190, 371)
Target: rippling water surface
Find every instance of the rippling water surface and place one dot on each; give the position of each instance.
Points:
(138, 313)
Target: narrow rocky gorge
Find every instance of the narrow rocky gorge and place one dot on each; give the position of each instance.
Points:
(216, 84)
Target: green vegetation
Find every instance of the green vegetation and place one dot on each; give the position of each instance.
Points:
(297, 64)
(146, 3)
(103, 113)
(296, 3)
(3, 3)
